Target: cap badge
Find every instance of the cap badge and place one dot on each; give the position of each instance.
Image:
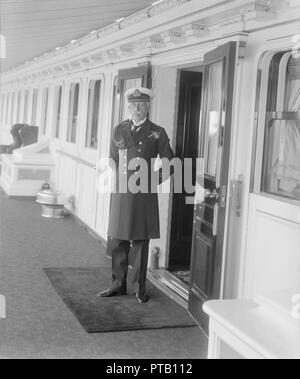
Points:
(137, 93)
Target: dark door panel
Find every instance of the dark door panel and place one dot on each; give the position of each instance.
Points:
(202, 265)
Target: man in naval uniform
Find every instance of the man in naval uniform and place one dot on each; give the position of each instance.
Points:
(134, 216)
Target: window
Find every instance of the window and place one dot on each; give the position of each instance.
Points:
(93, 114)
(44, 115)
(127, 84)
(9, 106)
(25, 114)
(8, 99)
(6, 110)
(73, 113)
(12, 110)
(213, 117)
(135, 77)
(57, 111)
(2, 110)
(34, 107)
(18, 114)
(281, 169)
(116, 103)
(1, 106)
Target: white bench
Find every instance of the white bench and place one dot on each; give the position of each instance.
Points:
(27, 169)
(263, 328)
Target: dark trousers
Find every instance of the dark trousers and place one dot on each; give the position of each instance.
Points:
(119, 252)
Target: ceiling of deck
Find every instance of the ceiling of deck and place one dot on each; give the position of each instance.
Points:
(33, 27)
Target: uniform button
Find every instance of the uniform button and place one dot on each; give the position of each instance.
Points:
(139, 150)
(140, 143)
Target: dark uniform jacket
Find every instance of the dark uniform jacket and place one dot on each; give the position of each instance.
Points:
(135, 216)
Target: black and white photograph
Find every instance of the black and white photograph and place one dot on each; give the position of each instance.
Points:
(149, 182)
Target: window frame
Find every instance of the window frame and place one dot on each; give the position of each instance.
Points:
(2, 107)
(13, 116)
(115, 109)
(58, 105)
(68, 130)
(19, 107)
(44, 111)
(7, 118)
(26, 106)
(34, 106)
(141, 72)
(262, 117)
(88, 128)
(2, 97)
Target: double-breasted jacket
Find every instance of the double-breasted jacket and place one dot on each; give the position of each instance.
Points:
(134, 216)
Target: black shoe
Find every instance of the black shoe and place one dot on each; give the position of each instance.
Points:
(112, 292)
(142, 298)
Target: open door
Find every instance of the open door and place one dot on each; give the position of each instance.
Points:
(214, 149)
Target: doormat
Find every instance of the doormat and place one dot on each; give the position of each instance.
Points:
(78, 288)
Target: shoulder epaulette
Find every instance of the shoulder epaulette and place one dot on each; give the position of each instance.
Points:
(124, 123)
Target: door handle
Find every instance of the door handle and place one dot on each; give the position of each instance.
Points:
(214, 195)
